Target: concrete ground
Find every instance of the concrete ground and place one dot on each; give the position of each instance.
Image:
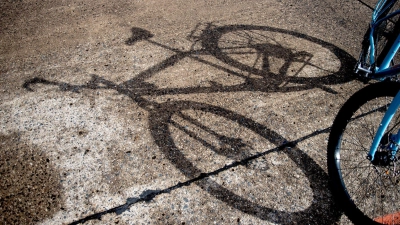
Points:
(172, 112)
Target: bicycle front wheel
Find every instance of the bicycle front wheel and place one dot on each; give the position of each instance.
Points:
(369, 193)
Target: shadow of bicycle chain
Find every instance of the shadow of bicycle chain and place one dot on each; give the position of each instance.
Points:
(161, 113)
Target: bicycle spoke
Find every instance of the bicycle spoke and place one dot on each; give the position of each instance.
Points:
(359, 149)
(348, 174)
(363, 186)
(358, 139)
(370, 185)
(353, 168)
(397, 123)
(364, 150)
(371, 133)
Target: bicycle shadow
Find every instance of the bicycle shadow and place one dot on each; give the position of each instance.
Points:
(160, 122)
(253, 78)
(260, 76)
(270, 46)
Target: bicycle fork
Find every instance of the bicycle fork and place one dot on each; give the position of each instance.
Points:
(394, 139)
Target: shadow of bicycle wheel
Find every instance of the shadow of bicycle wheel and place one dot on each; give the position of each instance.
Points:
(161, 121)
(251, 49)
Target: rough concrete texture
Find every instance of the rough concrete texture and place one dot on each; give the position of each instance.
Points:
(172, 112)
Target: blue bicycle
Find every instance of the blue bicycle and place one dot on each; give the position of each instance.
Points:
(363, 148)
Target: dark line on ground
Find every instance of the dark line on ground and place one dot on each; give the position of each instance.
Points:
(149, 195)
(371, 8)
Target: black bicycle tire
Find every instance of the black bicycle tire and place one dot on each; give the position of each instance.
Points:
(337, 185)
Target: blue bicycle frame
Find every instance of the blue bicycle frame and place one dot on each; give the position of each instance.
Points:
(386, 62)
(382, 72)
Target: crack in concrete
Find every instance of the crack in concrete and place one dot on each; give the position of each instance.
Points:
(365, 4)
(149, 195)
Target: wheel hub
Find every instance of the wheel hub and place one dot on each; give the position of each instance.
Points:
(382, 159)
